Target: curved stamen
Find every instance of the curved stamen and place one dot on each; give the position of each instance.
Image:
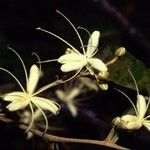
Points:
(39, 60)
(46, 121)
(14, 78)
(56, 83)
(134, 81)
(73, 28)
(129, 100)
(147, 108)
(94, 52)
(24, 67)
(58, 38)
(79, 27)
(46, 61)
(32, 117)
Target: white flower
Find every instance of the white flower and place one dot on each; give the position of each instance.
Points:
(74, 60)
(68, 94)
(138, 120)
(68, 97)
(27, 97)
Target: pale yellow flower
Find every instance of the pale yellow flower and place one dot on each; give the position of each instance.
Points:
(68, 97)
(74, 60)
(130, 121)
(28, 97)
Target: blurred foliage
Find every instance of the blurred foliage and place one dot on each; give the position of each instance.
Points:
(119, 73)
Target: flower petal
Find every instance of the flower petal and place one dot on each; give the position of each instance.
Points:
(17, 105)
(146, 124)
(72, 66)
(60, 94)
(70, 57)
(33, 79)
(141, 105)
(13, 96)
(97, 64)
(72, 109)
(46, 104)
(93, 43)
(73, 93)
(130, 122)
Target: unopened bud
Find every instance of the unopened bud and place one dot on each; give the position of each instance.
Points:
(103, 86)
(68, 51)
(103, 75)
(120, 51)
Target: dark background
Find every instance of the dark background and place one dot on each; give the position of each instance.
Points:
(18, 22)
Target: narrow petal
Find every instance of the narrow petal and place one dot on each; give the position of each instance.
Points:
(46, 104)
(97, 64)
(72, 109)
(17, 105)
(70, 57)
(13, 96)
(131, 122)
(60, 94)
(141, 106)
(93, 43)
(73, 93)
(72, 66)
(146, 124)
(33, 79)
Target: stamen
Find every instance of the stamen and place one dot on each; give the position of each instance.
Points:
(14, 78)
(128, 99)
(73, 76)
(79, 27)
(55, 83)
(46, 121)
(32, 117)
(24, 67)
(46, 61)
(134, 81)
(57, 37)
(73, 28)
(147, 107)
(39, 60)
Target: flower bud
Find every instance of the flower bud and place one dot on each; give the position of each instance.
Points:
(103, 86)
(120, 51)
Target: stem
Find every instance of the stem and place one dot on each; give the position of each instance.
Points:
(53, 138)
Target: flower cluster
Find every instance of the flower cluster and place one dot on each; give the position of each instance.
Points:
(89, 73)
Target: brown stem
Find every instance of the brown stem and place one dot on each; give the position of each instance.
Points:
(54, 138)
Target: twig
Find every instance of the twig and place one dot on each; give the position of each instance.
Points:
(54, 138)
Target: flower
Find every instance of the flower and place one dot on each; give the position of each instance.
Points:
(67, 96)
(73, 60)
(76, 60)
(130, 121)
(21, 99)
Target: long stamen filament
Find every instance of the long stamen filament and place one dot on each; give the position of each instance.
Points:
(79, 27)
(58, 38)
(14, 78)
(74, 30)
(24, 67)
(134, 81)
(32, 117)
(39, 60)
(46, 121)
(129, 100)
(147, 107)
(46, 61)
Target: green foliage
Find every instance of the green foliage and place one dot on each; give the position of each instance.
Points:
(120, 75)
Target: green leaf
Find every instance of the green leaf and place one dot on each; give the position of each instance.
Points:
(119, 73)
